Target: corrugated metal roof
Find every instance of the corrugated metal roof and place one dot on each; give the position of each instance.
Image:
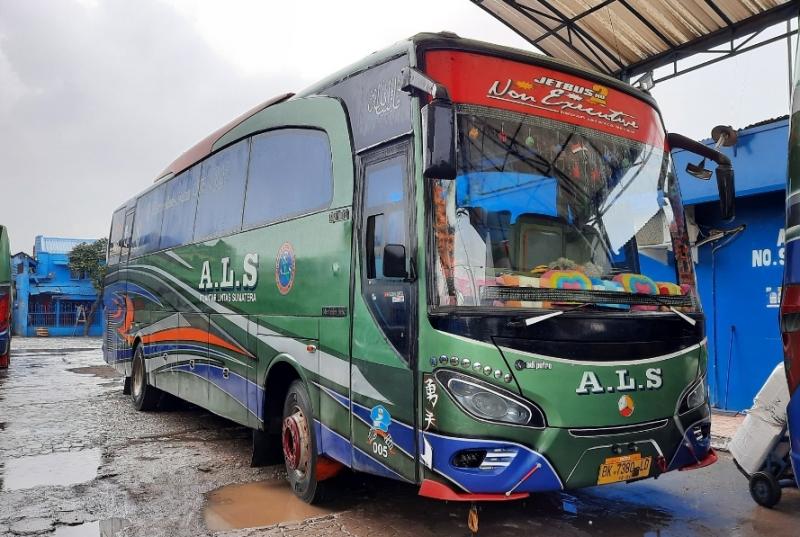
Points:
(628, 37)
(57, 245)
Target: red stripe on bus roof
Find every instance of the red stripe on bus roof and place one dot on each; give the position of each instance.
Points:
(204, 147)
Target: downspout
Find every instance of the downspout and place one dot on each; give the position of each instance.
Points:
(726, 237)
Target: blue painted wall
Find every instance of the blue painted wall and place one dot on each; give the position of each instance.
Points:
(47, 294)
(740, 282)
(759, 160)
(739, 285)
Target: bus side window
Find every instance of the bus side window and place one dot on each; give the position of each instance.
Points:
(180, 205)
(290, 174)
(114, 247)
(386, 222)
(385, 210)
(221, 197)
(147, 225)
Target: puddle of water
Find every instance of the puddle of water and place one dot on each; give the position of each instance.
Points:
(102, 371)
(250, 505)
(98, 528)
(55, 469)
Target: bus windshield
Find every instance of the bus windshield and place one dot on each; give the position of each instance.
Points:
(546, 214)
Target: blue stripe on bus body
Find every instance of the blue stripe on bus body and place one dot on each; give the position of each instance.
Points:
(402, 434)
(339, 448)
(493, 480)
(365, 462)
(333, 445)
(235, 386)
(336, 396)
(153, 349)
(121, 355)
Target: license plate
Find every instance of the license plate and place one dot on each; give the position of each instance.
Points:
(623, 468)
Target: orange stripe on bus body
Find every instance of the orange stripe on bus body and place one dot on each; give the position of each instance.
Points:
(192, 334)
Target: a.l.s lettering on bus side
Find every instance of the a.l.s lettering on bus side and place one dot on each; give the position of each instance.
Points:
(229, 280)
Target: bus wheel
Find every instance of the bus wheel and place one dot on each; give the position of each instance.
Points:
(765, 489)
(144, 396)
(299, 445)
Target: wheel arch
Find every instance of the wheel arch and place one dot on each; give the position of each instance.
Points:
(280, 375)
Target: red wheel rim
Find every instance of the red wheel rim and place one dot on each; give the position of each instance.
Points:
(292, 440)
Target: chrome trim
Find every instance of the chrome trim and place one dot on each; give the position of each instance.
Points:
(619, 429)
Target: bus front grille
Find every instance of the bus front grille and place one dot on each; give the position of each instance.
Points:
(618, 430)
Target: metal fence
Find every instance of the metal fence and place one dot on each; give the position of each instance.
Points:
(56, 314)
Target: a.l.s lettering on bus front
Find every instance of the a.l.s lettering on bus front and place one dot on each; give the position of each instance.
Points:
(225, 284)
(590, 383)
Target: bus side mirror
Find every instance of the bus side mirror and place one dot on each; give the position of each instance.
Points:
(438, 141)
(394, 261)
(727, 192)
(725, 185)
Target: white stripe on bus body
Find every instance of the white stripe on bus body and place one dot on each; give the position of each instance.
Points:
(291, 348)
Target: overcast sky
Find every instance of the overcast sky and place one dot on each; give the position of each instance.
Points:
(98, 96)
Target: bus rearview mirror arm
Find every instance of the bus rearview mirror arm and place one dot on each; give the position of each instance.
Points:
(725, 176)
(438, 124)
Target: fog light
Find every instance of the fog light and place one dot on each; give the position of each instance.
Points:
(469, 458)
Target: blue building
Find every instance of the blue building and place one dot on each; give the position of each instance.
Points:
(740, 274)
(48, 295)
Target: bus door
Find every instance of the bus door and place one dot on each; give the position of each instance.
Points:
(382, 367)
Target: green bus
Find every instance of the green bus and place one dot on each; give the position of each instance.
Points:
(454, 264)
(6, 298)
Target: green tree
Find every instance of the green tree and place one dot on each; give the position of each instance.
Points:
(90, 259)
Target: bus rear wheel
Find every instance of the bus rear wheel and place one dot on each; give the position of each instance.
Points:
(300, 445)
(144, 396)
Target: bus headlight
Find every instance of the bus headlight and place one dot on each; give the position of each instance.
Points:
(488, 402)
(695, 397)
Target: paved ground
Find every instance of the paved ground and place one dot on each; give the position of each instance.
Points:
(723, 427)
(77, 460)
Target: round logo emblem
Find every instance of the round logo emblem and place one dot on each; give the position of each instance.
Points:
(284, 268)
(625, 405)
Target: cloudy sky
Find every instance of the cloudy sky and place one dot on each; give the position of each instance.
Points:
(98, 96)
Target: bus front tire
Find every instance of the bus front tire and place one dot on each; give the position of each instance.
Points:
(144, 396)
(299, 445)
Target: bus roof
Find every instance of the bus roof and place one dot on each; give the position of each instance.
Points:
(205, 147)
(417, 43)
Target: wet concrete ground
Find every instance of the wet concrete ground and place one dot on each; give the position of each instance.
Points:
(77, 460)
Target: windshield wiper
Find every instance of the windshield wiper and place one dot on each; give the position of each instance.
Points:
(676, 311)
(539, 318)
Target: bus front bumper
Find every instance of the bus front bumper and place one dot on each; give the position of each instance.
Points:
(470, 469)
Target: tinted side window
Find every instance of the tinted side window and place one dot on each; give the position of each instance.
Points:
(386, 221)
(290, 174)
(180, 204)
(114, 248)
(147, 225)
(384, 208)
(219, 204)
